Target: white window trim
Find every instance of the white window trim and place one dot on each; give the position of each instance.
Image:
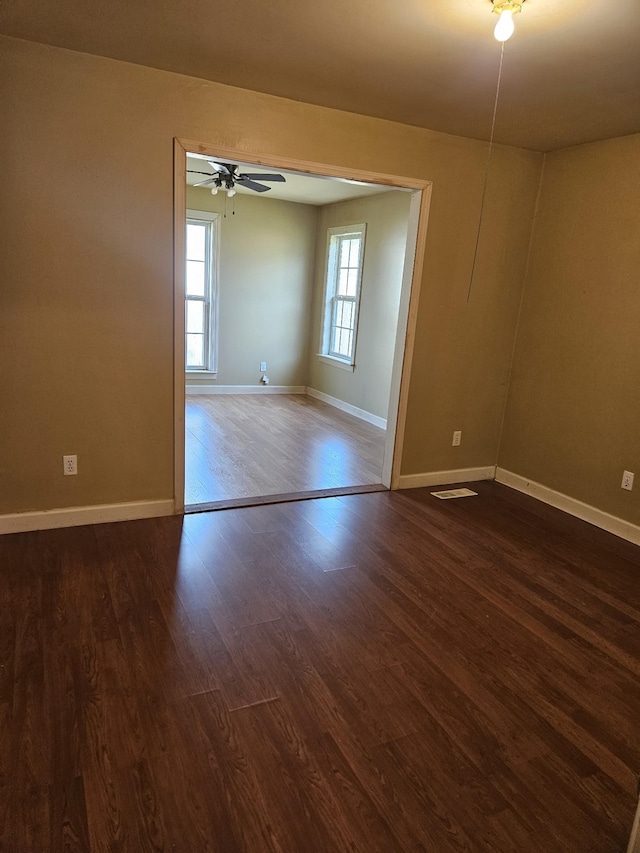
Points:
(208, 216)
(323, 355)
(332, 361)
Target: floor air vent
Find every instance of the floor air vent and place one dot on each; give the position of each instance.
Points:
(453, 493)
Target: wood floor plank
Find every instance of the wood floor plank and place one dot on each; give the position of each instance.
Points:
(68, 817)
(257, 827)
(282, 753)
(371, 830)
(240, 446)
(375, 672)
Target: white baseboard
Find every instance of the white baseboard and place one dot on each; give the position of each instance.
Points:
(74, 516)
(634, 838)
(246, 389)
(597, 517)
(347, 407)
(446, 478)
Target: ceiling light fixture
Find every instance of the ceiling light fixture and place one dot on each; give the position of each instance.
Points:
(506, 9)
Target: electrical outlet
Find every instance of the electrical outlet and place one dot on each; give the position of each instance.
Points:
(627, 480)
(263, 367)
(69, 465)
(457, 438)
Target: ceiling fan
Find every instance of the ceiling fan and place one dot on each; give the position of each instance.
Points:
(226, 176)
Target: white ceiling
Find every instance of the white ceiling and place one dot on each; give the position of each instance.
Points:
(571, 71)
(298, 187)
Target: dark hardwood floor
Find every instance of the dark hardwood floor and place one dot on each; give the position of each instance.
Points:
(379, 672)
(248, 445)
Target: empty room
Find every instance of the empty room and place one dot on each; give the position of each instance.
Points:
(426, 638)
(293, 286)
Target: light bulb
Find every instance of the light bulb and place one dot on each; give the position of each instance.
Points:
(231, 192)
(505, 27)
(214, 190)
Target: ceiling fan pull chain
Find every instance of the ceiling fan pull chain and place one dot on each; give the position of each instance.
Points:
(486, 172)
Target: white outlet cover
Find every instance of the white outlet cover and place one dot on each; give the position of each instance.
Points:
(69, 465)
(627, 480)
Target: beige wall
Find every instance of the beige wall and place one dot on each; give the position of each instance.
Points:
(463, 348)
(386, 217)
(266, 276)
(86, 282)
(573, 416)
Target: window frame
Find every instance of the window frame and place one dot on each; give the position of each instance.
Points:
(211, 297)
(331, 275)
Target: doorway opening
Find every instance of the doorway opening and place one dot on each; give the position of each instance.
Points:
(294, 321)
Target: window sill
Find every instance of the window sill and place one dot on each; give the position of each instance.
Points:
(207, 373)
(336, 362)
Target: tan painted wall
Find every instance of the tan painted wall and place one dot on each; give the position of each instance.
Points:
(86, 291)
(386, 217)
(266, 281)
(573, 416)
(463, 350)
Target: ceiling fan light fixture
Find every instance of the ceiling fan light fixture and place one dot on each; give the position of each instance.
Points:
(225, 176)
(506, 9)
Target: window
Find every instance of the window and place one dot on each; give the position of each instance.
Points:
(201, 292)
(342, 293)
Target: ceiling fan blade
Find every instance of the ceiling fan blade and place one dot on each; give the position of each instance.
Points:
(252, 185)
(219, 167)
(257, 177)
(196, 172)
(206, 183)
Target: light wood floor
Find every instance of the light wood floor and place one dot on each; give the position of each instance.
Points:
(250, 445)
(378, 673)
